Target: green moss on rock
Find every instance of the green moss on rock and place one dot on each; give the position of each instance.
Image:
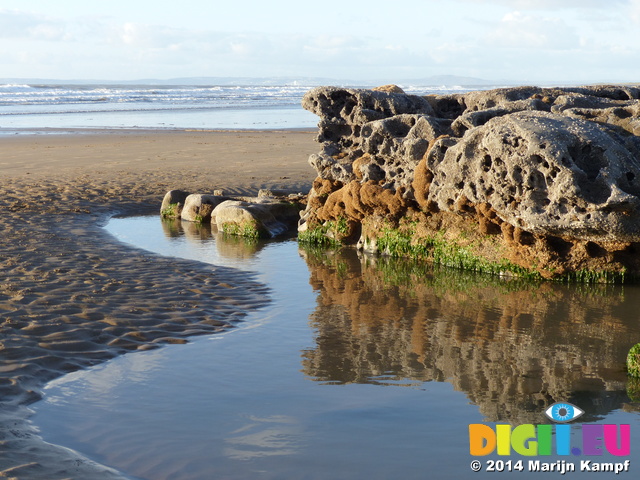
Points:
(170, 211)
(244, 229)
(462, 249)
(327, 234)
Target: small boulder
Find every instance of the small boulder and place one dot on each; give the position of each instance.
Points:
(172, 203)
(198, 207)
(262, 219)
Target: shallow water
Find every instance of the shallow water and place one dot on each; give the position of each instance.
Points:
(359, 368)
(204, 118)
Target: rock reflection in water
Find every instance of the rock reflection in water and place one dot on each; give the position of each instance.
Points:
(513, 347)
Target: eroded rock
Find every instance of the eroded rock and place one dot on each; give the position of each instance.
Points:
(544, 173)
(542, 180)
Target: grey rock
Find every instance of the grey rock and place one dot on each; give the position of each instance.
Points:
(263, 218)
(480, 117)
(395, 143)
(553, 161)
(198, 207)
(447, 107)
(357, 106)
(625, 117)
(578, 100)
(545, 173)
(485, 99)
(613, 92)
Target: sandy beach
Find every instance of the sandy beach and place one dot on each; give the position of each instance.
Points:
(71, 296)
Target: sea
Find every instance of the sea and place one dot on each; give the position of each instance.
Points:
(58, 108)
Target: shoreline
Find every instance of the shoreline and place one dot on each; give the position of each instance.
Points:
(8, 132)
(74, 297)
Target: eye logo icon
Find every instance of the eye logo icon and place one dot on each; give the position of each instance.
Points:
(563, 412)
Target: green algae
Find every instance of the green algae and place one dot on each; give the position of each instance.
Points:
(402, 241)
(170, 211)
(244, 229)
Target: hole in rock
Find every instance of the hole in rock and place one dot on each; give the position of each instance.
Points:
(486, 163)
(558, 245)
(594, 250)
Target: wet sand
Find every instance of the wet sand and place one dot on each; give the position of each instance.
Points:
(71, 296)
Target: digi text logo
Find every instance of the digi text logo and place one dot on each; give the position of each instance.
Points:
(531, 440)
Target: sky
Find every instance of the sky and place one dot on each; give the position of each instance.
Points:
(522, 41)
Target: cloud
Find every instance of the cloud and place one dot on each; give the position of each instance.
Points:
(17, 24)
(553, 4)
(138, 35)
(634, 9)
(520, 30)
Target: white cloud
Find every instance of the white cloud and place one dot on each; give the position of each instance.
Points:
(528, 31)
(553, 4)
(17, 24)
(634, 8)
(145, 36)
(543, 39)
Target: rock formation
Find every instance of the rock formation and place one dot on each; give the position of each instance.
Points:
(269, 215)
(541, 182)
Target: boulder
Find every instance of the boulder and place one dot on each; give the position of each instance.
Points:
(263, 218)
(198, 207)
(172, 203)
(544, 173)
(476, 118)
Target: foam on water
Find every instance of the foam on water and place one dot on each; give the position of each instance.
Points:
(111, 106)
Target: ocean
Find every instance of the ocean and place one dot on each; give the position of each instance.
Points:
(53, 108)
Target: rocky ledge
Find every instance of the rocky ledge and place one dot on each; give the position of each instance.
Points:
(526, 181)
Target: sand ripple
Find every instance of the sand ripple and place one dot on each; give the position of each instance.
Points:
(71, 296)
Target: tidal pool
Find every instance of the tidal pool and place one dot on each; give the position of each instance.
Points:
(359, 368)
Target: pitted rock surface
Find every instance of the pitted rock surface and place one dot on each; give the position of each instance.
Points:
(545, 173)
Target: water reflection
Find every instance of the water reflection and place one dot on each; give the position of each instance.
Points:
(276, 435)
(229, 247)
(238, 406)
(513, 347)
